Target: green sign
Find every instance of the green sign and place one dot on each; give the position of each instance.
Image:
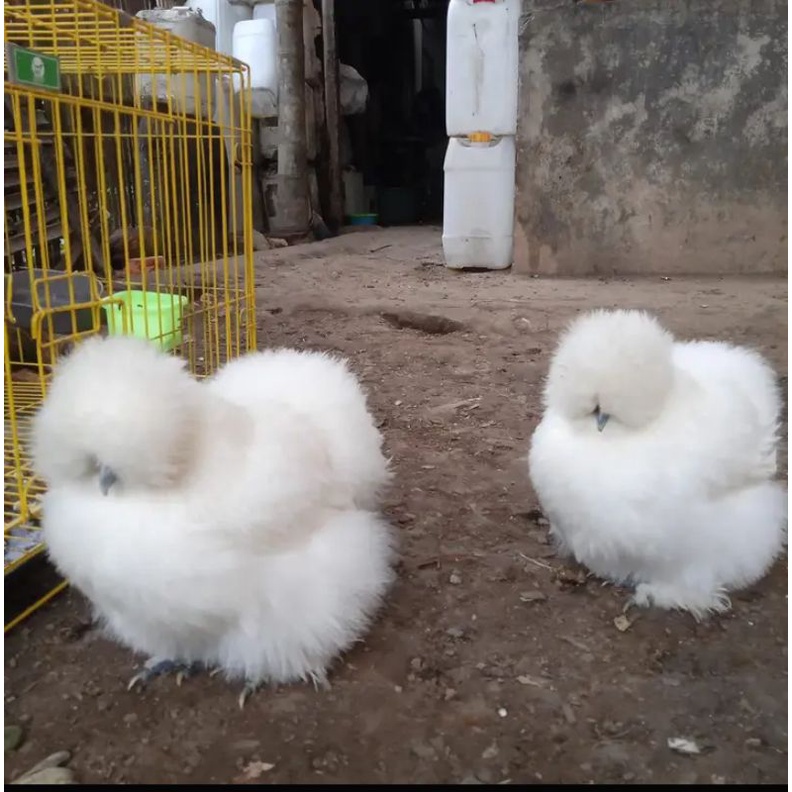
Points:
(28, 67)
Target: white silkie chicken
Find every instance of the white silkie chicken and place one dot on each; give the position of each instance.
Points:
(654, 461)
(227, 523)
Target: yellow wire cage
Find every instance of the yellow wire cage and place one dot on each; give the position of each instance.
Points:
(128, 209)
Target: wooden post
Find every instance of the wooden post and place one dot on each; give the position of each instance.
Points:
(292, 206)
(332, 113)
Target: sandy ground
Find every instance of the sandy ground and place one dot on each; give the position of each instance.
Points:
(490, 662)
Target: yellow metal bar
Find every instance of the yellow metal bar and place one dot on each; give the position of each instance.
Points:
(90, 189)
(38, 604)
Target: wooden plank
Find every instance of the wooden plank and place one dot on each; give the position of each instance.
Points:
(292, 218)
(45, 140)
(18, 244)
(48, 173)
(332, 114)
(53, 231)
(14, 180)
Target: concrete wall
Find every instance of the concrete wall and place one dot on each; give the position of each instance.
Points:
(652, 137)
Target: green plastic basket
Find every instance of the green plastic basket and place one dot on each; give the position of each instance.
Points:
(156, 316)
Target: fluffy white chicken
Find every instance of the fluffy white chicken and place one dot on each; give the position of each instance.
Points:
(654, 461)
(227, 523)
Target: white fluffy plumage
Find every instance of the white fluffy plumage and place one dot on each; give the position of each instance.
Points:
(239, 529)
(655, 460)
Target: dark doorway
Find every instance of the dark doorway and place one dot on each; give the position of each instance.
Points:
(392, 153)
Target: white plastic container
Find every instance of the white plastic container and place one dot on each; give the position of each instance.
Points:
(266, 10)
(255, 42)
(478, 203)
(354, 193)
(482, 66)
(185, 91)
(223, 15)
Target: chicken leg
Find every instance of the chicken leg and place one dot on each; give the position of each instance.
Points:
(700, 602)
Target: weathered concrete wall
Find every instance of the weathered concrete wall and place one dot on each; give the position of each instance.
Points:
(652, 137)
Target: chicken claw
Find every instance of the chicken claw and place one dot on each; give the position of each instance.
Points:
(631, 603)
(249, 689)
(155, 667)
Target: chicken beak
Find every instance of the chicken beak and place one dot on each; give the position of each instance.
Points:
(602, 419)
(106, 479)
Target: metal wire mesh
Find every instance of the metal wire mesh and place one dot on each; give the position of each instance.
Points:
(128, 207)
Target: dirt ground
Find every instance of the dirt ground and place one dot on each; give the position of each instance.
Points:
(490, 663)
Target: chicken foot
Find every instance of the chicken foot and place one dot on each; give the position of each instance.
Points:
(156, 666)
(318, 678)
(698, 601)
